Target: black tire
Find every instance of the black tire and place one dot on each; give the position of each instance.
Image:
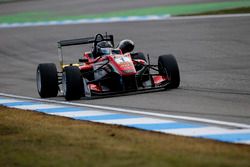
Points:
(167, 65)
(47, 80)
(72, 83)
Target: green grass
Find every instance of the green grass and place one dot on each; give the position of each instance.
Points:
(35, 139)
(227, 11)
(173, 10)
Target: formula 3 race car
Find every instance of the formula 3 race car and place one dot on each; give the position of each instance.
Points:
(105, 70)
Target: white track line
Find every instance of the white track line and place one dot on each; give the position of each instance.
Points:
(117, 19)
(129, 121)
(186, 118)
(244, 142)
(9, 101)
(81, 113)
(38, 106)
(86, 21)
(193, 132)
(196, 131)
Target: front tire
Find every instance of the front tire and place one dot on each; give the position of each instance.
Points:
(168, 66)
(72, 83)
(47, 80)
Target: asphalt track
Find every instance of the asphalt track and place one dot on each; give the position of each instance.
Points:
(213, 56)
(85, 7)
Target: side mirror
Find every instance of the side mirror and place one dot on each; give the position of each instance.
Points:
(83, 60)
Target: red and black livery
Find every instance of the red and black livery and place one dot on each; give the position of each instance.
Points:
(118, 70)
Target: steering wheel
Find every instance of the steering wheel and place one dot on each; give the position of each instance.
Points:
(98, 38)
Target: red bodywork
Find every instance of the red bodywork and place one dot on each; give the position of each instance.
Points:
(124, 65)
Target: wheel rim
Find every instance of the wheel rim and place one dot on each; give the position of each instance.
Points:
(38, 80)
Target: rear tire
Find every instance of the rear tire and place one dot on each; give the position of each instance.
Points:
(167, 65)
(47, 80)
(72, 83)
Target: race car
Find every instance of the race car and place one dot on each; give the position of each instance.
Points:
(104, 70)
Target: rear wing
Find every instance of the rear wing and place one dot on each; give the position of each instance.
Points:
(81, 41)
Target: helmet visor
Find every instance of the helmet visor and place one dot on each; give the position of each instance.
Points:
(105, 51)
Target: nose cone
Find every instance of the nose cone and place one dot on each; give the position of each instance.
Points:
(125, 65)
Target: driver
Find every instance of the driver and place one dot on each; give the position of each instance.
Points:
(103, 48)
(126, 46)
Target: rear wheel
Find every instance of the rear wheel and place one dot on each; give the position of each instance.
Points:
(47, 80)
(168, 66)
(72, 83)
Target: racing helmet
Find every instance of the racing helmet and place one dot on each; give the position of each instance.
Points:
(126, 46)
(103, 48)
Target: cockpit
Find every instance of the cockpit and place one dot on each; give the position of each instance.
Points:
(110, 51)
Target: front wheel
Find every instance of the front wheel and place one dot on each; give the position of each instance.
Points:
(168, 66)
(72, 83)
(47, 80)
